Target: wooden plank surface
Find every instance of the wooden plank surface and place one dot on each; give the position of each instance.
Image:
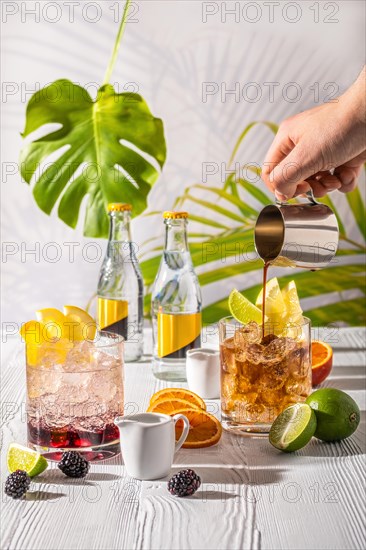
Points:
(252, 496)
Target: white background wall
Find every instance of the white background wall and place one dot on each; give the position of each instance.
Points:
(169, 52)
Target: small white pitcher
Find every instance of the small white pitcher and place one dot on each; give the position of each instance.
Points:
(203, 372)
(148, 443)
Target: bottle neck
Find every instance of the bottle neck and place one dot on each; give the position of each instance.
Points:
(119, 229)
(176, 235)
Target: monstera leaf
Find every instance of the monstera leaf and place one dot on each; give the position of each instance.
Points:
(109, 149)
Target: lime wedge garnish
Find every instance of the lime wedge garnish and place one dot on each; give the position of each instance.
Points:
(293, 428)
(22, 458)
(242, 309)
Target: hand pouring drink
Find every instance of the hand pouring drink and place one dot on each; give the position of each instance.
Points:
(265, 349)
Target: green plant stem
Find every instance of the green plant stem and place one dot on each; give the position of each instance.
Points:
(354, 243)
(117, 43)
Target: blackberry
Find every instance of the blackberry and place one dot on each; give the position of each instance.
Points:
(184, 483)
(73, 464)
(17, 484)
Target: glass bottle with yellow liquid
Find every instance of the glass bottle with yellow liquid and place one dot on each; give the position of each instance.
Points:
(120, 288)
(176, 303)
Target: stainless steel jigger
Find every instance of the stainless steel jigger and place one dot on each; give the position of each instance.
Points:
(297, 235)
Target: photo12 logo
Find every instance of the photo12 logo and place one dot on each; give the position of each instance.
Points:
(64, 90)
(269, 12)
(54, 12)
(253, 92)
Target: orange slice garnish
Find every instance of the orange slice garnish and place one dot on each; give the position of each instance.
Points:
(53, 320)
(205, 430)
(74, 323)
(178, 393)
(39, 344)
(33, 332)
(321, 361)
(81, 325)
(170, 406)
(52, 336)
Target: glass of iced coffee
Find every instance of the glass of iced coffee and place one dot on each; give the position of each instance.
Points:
(262, 375)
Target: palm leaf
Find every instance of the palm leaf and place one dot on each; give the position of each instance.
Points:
(149, 269)
(270, 125)
(231, 240)
(328, 201)
(232, 198)
(215, 207)
(236, 243)
(219, 274)
(351, 312)
(255, 192)
(208, 221)
(357, 206)
(332, 279)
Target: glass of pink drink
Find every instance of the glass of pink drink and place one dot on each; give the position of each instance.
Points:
(74, 393)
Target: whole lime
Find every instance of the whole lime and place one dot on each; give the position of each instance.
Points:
(337, 414)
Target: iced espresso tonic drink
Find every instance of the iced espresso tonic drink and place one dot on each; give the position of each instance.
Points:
(261, 376)
(74, 393)
(266, 362)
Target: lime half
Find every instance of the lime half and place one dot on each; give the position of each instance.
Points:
(22, 458)
(242, 309)
(293, 428)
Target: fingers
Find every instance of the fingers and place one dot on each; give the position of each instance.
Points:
(302, 153)
(292, 171)
(348, 178)
(324, 184)
(349, 172)
(288, 164)
(343, 179)
(278, 151)
(302, 188)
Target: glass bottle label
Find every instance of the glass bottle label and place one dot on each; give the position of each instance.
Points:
(178, 333)
(113, 316)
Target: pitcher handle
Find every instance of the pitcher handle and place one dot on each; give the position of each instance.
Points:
(185, 431)
(309, 195)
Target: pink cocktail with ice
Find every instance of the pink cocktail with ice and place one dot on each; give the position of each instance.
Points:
(74, 393)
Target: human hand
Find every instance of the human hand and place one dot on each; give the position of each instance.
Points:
(323, 148)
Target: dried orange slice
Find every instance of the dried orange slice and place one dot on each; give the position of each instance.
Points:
(169, 406)
(321, 361)
(178, 393)
(205, 430)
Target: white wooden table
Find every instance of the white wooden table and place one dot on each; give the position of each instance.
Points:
(252, 496)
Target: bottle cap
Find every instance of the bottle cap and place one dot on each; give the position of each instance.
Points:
(168, 215)
(119, 207)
